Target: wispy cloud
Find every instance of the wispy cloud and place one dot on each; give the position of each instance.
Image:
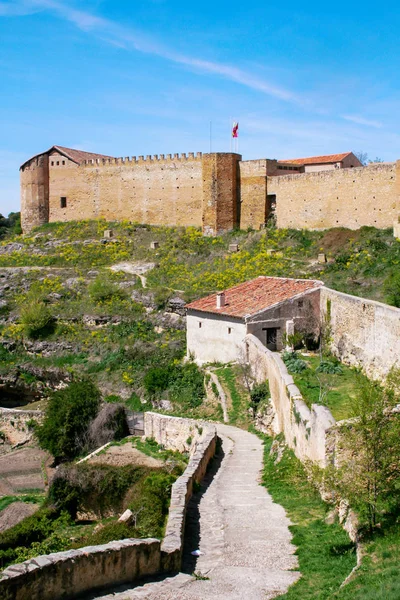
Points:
(116, 34)
(362, 121)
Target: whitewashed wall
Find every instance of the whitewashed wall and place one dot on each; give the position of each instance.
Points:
(212, 342)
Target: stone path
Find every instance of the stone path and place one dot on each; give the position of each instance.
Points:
(242, 533)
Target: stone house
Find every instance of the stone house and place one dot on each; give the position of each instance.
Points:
(267, 307)
(346, 160)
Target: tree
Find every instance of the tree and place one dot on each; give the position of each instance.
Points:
(369, 477)
(362, 157)
(10, 224)
(67, 418)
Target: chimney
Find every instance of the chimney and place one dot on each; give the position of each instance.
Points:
(220, 299)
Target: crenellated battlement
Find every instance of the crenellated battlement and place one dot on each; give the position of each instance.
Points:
(149, 158)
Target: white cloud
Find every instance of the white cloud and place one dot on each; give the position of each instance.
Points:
(362, 121)
(115, 34)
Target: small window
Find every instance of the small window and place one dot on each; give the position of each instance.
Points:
(200, 324)
(229, 329)
(63, 162)
(300, 303)
(52, 163)
(63, 202)
(58, 163)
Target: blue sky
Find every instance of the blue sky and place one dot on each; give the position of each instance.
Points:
(147, 76)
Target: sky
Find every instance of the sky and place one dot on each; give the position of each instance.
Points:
(126, 78)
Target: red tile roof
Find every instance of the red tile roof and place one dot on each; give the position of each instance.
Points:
(77, 156)
(317, 160)
(253, 296)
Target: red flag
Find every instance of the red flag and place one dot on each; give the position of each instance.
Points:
(235, 130)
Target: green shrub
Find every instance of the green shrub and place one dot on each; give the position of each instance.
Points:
(102, 289)
(157, 379)
(32, 529)
(96, 488)
(110, 532)
(68, 414)
(37, 320)
(327, 366)
(187, 385)
(289, 356)
(296, 366)
(134, 403)
(259, 393)
(391, 287)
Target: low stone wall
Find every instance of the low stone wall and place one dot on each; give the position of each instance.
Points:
(304, 429)
(64, 575)
(364, 333)
(182, 490)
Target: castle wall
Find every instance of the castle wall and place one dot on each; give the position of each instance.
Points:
(220, 172)
(253, 193)
(157, 191)
(34, 179)
(340, 198)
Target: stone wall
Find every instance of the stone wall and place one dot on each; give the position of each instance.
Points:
(253, 193)
(217, 191)
(339, 198)
(65, 575)
(34, 180)
(180, 434)
(304, 429)
(155, 190)
(364, 333)
(220, 172)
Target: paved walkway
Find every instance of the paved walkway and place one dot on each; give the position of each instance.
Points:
(242, 533)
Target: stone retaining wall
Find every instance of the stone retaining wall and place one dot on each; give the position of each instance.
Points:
(304, 429)
(64, 575)
(364, 333)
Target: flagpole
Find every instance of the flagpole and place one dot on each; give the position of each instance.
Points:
(210, 137)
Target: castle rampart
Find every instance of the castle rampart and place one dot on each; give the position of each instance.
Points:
(338, 198)
(215, 191)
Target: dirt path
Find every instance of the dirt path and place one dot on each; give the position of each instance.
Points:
(242, 534)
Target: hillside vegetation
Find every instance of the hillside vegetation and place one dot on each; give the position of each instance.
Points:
(78, 309)
(62, 307)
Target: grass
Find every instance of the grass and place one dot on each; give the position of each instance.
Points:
(325, 553)
(342, 388)
(33, 498)
(378, 577)
(238, 395)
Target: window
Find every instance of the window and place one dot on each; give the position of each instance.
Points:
(63, 162)
(300, 303)
(52, 163)
(63, 202)
(58, 163)
(200, 324)
(229, 329)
